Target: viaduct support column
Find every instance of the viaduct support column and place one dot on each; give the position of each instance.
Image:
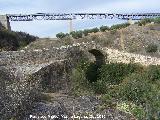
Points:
(5, 22)
(70, 26)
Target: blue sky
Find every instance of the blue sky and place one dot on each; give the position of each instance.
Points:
(50, 28)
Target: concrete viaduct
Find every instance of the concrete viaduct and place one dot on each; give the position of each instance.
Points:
(5, 19)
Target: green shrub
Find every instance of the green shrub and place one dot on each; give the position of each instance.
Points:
(110, 75)
(83, 64)
(90, 70)
(99, 87)
(139, 23)
(144, 21)
(129, 83)
(77, 34)
(131, 108)
(137, 89)
(66, 40)
(104, 28)
(114, 73)
(151, 48)
(119, 26)
(86, 31)
(10, 40)
(148, 20)
(157, 20)
(108, 99)
(80, 85)
(61, 35)
(138, 112)
(153, 73)
(94, 30)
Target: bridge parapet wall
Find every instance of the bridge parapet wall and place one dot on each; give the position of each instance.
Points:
(73, 52)
(124, 57)
(45, 55)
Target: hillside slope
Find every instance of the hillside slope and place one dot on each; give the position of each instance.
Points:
(11, 40)
(133, 39)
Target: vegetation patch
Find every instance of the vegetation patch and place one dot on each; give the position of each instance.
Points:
(151, 48)
(130, 87)
(10, 40)
(85, 32)
(148, 20)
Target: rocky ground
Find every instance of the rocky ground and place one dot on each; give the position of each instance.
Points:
(65, 107)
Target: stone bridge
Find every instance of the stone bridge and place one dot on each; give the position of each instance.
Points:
(75, 52)
(50, 66)
(53, 65)
(24, 74)
(45, 55)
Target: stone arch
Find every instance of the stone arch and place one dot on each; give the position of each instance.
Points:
(99, 56)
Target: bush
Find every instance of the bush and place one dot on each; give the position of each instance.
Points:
(151, 48)
(66, 40)
(61, 35)
(76, 34)
(80, 85)
(137, 89)
(104, 28)
(99, 87)
(148, 20)
(114, 73)
(157, 20)
(153, 73)
(118, 82)
(10, 40)
(119, 26)
(86, 31)
(94, 30)
(144, 21)
(131, 108)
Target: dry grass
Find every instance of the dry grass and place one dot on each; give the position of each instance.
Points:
(135, 39)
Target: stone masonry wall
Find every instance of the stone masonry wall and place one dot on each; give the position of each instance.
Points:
(44, 55)
(55, 76)
(20, 85)
(72, 52)
(124, 57)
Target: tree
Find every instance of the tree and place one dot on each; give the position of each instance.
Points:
(94, 30)
(104, 28)
(61, 35)
(119, 26)
(76, 34)
(86, 31)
